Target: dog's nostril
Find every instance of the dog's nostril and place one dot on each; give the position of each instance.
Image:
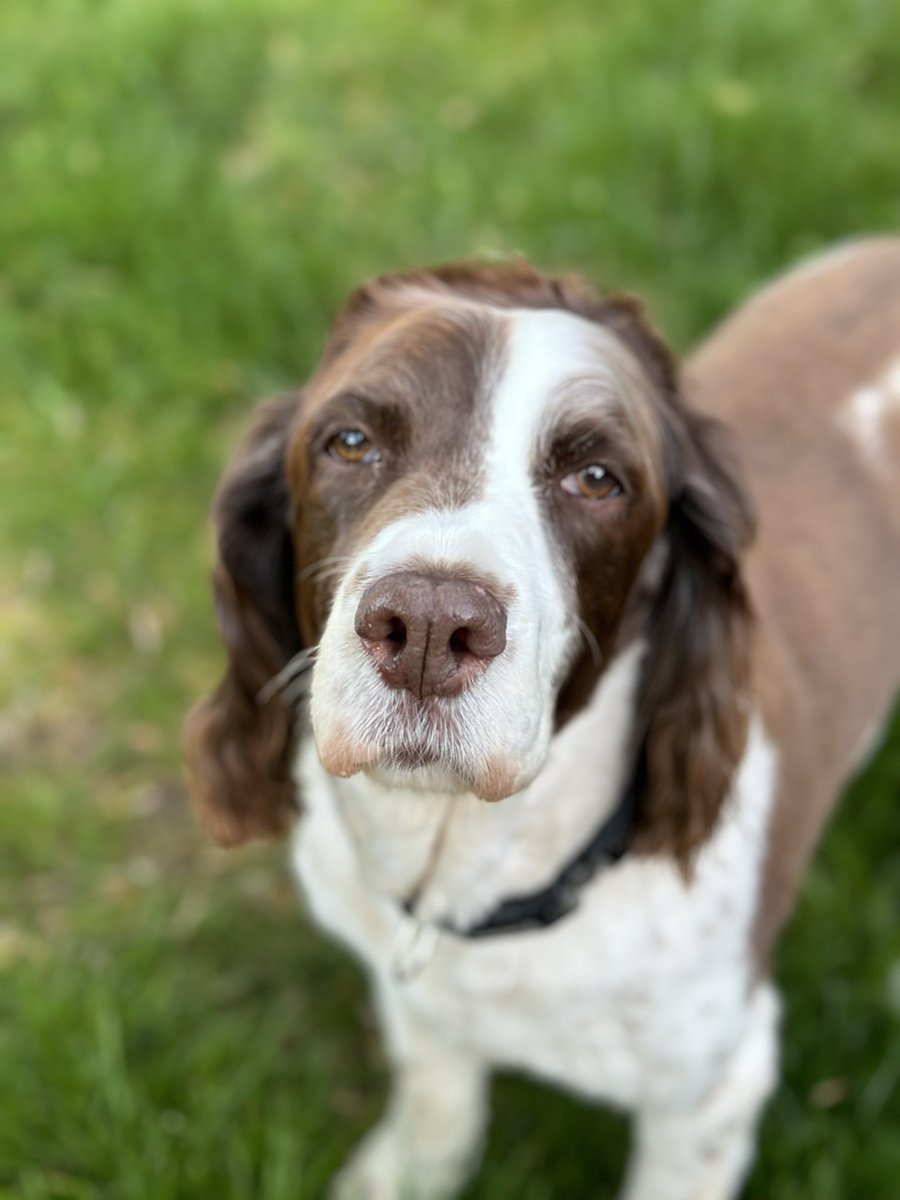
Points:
(459, 641)
(396, 632)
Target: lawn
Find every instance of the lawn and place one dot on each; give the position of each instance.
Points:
(187, 190)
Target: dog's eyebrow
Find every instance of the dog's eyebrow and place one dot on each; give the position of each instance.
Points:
(597, 408)
(366, 402)
(400, 379)
(568, 441)
(592, 390)
(582, 407)
(386, 415)
(580, 437)
(360, 399)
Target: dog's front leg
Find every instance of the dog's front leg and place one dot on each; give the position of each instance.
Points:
(429, 1140)
(702, 1153)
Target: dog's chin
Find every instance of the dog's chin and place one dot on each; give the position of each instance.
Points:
(416, 769)
(496, 783)
(419, 777)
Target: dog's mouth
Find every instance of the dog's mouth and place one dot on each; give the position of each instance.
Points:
(431, 763)
(439, 743)
(411, 757)
(426, 773)
(426, 770)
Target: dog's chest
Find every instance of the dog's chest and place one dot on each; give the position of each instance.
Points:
(638, 993)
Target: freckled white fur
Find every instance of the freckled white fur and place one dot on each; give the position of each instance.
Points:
(644, 996)
(491, 851)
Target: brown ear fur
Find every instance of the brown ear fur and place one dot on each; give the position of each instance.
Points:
(239, 750)
(693, 702)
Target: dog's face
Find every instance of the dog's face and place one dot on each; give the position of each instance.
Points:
(480, 488)
(487, 488)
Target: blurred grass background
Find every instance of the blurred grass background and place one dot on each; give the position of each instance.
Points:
(187, 190)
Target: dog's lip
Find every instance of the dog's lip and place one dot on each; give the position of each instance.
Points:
(498, 780)
(492, 777)
(412, 755)
(343, 755)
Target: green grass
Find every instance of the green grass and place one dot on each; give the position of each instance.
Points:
(187, 190)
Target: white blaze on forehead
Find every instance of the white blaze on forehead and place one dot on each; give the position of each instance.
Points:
(547, 350)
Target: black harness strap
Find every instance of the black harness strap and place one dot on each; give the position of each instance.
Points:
(540, 909)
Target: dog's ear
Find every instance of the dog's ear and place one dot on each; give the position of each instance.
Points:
(239, 743)
(693, 701)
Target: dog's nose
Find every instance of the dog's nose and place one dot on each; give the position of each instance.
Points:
(428, 633)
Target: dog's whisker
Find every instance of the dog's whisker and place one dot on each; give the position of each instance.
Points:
(592, 643)
(296, 691)
(322, 567)
(298, 665)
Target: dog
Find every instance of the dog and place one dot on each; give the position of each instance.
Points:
(555, 658)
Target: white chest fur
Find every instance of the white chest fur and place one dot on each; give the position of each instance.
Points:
(637, 997)
(461, 856)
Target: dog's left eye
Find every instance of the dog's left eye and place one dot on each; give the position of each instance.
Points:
(592, 483)
(352, 446)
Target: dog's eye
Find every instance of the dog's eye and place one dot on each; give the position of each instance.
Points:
(593, 483)
(352, 446)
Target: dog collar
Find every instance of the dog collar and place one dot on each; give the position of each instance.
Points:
(538, 910)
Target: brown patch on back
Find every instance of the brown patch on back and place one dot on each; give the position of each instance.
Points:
(824, 575)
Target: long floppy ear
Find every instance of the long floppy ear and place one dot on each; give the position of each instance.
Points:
(693, 701)
(239, 745)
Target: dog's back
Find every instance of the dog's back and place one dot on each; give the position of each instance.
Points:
(807, 378)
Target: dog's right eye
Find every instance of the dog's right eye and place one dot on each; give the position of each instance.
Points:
(592, 483)
(352, 446)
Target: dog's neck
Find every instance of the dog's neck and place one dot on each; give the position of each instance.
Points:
(456, 856)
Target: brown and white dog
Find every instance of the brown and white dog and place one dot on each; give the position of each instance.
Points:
(574, 730)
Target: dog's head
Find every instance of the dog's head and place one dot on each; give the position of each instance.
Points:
(488, 488)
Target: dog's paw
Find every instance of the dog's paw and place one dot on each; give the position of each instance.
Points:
(372, 1172)
(380, 1170)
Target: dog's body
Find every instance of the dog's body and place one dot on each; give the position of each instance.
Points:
(601, 632)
